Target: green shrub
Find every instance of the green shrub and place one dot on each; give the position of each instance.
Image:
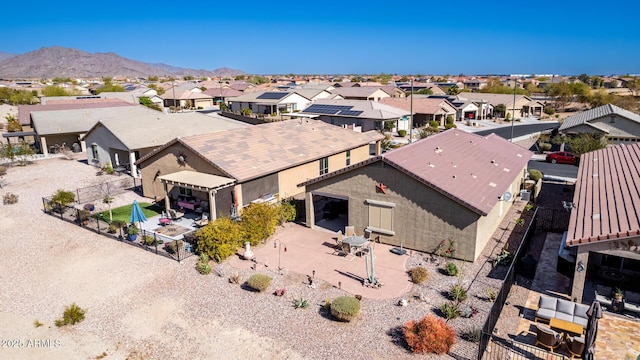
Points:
(203, 265)
(402, 133)
(112, 229)
(549, 110)
(429, 335)
(286, 212)
(418, 274)
(9, 198)
(132, 230)
(448, 126)
(473, 334)
(220, 239)
(259, 282)
(520, 222)
(108, 168)
(37, 323)
(452, 269)
(345, 308)
(235, 278)
(458, 293)
(72, 314)
(300, 303)
(535, 175)
(175, 247)
(528, 207)
(259, 221)
(449, 310)
(544, 146)
(3, 170)
(62, 198)
(491, 294)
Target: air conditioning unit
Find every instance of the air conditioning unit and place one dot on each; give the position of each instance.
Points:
(525, 195)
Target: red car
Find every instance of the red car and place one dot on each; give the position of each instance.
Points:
(562, 157)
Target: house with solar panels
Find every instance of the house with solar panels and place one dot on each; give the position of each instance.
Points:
(359, 115)
(269, 102)
(454, 186)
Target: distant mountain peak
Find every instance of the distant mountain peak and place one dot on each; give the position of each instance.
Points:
(57, 61)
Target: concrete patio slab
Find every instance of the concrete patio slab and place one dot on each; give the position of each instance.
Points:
(303, 250)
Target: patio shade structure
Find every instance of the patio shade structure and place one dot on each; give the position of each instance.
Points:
(136, 213)
(594, 313)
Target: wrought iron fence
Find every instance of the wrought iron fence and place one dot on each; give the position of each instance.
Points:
(509, 280)
(500, 349)
(146, 240)
(111, 188)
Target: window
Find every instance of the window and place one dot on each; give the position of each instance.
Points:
(381, 217)
(94, 152)
(348, 157)
(185, 192)
(324, 165)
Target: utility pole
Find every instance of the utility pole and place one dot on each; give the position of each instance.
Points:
(513, 117)
(411, 111)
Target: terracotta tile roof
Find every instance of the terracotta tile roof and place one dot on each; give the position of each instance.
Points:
(470, 169)
(421, 105)
(259, 150)
(597, 113)
(607, 196)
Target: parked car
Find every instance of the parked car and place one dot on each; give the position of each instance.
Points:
(562, 157)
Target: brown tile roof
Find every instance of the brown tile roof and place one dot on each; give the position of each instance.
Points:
(421, 105)
(24, 111)
(607, 196)
(259, 150)
(470, 169)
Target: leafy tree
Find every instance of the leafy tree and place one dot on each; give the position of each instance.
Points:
(219, 239)
(19, 97)
(597, 81)
(259, 80)
(425, 91)
(188, 77)
(584, 78)
(144, 100)
(109, 87)
(153, 78)
(453, 90)
(62, 198)
(561, 94)
(389, 125)
(404, 79)
(357, 79)
(259, 221)
(22, 152)
(599, 97)
(449, 122)
(584, 143)
(12, 123)
(500, 109)
(240, 77)
(580, 90)
(55, 91)
(383, 78)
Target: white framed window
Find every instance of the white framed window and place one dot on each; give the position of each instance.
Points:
(324, 165)
(94, 152)
(381, 216)
(348, 162)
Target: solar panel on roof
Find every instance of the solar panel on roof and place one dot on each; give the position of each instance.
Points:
(322, 109)
(272, 95)
(350, 112)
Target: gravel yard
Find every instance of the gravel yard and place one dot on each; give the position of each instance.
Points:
(143, 306)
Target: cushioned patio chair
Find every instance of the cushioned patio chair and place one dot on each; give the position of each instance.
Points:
(204, 220)
(175, 215)
(349, 231)
(575, 346)
(204, 206)
(548, 338)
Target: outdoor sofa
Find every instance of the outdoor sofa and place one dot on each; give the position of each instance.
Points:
(566, 310)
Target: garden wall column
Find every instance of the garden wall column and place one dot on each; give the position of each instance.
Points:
(134, 168)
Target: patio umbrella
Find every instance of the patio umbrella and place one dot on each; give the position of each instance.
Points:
(594, 313)
(136, 213)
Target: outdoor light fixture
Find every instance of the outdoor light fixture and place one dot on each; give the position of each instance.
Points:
(580, 266)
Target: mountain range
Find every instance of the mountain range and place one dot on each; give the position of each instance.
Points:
(55, 61)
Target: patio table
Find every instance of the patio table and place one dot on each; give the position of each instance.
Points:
(355, 242)
(165, 221)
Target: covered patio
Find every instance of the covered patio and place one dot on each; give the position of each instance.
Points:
(189, 184)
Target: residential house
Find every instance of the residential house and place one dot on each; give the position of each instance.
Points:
(616, 124)
(269, 102)
(419, 86)
(373, 93)
(425, 110)
(475, 84)
(453, 186)
(261, 163)
(187, 96)
(222, 94)
(133, 96)
(359, 115)
(122, 136)
(524, 105)
(604, 227)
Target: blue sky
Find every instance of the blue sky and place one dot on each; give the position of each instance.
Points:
(348, 37)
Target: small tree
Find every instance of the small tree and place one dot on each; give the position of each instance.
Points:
(108, 200)
(500, 109)
(62, 198)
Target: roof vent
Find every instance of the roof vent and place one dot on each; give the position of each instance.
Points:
(453, 164)
(595, 159)
(454, 176)
(595, 217)
(505, 170)
(595, 175)
(492, 184)
(519, 155)
(431, 165)
(473, 176)
(438, 150)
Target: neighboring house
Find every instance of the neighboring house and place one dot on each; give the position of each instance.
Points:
(425, 110)
(222, 94)
(393, 91)
(449, 186)
(187, 96)
(122, 136)
(359, 115)
(417, 86)
(604, 227)
(261, 163)
(524, 105)
(475, 84)
(314, 94)
(373, 93)
(269, 102)
(133, 96)
(24, 111)
(616, 124)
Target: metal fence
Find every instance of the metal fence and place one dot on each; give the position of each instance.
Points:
(147, 240)
(111, 188)
(500, 349)
(509, 280)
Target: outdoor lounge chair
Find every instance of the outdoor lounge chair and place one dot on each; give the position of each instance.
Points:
(204, 220)
(349, 231)
(175, 215)
(575, 346)
(204, 206)
(548, 338)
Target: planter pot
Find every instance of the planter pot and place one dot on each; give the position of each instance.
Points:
(132, 237)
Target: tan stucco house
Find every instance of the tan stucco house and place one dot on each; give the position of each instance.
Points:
(261, 163)
(616, 124)
(451, 186)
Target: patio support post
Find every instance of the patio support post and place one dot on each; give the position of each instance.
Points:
(132, 160)
(212, 199)
(167, 204)
(310, 211)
